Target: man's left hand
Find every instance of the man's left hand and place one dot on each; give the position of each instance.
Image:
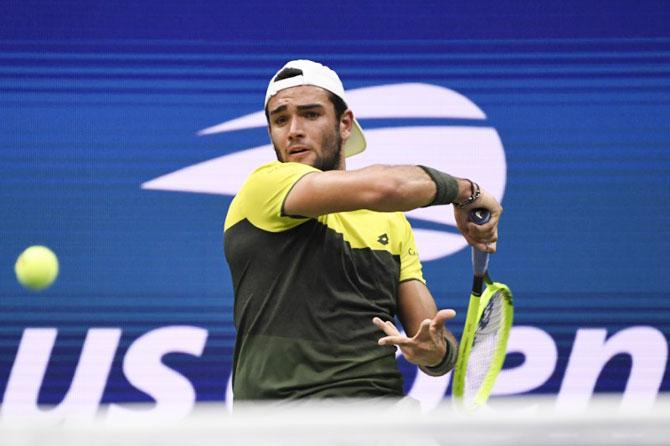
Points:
(427, 347)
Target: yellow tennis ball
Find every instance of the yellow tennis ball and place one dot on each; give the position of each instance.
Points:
(36, 268)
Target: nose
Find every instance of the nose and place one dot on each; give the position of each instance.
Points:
(295, 129)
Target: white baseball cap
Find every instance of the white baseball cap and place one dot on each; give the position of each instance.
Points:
(318, 75)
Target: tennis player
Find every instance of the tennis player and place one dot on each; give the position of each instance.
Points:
(322, 259)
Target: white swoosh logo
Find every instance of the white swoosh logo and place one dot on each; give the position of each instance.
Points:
(471, 152)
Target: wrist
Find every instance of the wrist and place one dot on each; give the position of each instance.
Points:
(446, 186)
(469, 192)
(446, 364)
(464, 190)
(442, 355)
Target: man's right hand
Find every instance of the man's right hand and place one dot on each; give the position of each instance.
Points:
(482, 237)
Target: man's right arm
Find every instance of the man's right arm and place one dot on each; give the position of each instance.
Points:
(378, 188)
(389, 189)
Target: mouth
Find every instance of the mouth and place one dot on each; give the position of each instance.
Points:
(297, 151)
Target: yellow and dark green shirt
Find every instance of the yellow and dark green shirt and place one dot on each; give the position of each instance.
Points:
(306, 290)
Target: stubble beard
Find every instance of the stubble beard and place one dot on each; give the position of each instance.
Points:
(332, 149)
(331, 153)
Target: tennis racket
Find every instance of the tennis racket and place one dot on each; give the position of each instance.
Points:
(483, 345)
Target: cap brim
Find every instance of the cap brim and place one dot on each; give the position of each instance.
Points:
(356, 142)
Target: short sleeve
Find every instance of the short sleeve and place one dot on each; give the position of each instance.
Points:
(410, 265)
(261, 198)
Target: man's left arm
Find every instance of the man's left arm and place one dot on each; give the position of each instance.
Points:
(426, 343)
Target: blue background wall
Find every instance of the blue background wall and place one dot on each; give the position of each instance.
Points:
(96, 99)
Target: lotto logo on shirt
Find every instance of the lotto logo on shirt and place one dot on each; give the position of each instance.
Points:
(395, 120)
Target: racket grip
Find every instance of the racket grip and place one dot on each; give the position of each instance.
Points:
(480, 260)
(479, 216)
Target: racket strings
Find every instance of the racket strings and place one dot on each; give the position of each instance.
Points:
(484, 345)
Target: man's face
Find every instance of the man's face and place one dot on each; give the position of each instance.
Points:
(303, 127)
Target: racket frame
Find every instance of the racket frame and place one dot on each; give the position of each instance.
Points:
(478, 302)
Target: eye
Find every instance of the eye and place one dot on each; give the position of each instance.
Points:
(280, 120)
(311, 115)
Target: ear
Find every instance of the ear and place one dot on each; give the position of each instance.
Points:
(346, 124)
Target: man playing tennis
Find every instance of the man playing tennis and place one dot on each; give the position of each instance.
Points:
(320, 256)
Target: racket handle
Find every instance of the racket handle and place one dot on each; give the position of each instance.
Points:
(479, 216)
(480, 260)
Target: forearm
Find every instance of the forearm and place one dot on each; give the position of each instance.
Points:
(406, 187)
(416, 305)
(378, 188)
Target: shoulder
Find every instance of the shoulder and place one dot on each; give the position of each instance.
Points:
(276, 170)
(274, 178)
(260, 199)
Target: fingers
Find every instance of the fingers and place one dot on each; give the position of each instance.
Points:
(387, 327)
(424, 329)
(488, 247)
(442, 316)
(427, 330)
(393, 335)
(484, 233)
(436, 324)
(482, 237)
(430, 327)
(484, 246)
(394, 340)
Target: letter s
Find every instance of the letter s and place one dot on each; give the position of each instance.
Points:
(142, 366)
